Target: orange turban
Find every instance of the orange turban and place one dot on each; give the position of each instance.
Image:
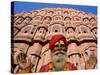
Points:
(55, 39)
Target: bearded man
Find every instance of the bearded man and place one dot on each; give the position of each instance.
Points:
(58, 47)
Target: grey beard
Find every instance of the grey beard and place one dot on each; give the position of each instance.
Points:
(58, 66)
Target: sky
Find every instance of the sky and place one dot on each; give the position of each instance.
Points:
(20, 6)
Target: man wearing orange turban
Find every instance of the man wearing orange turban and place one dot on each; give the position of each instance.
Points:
(58, 47)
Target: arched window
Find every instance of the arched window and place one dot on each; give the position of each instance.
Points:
(47, 18)
(86, 19)
(77, 30)
(76, 18)
(41, 30)
(19, 20)
(70, 30)
(56, 18)
(37, 18)
(94, 31)
(27, 20)
(84, 29)
(67, 18)
(56, 28)
(50, 12)
(66, 12)
(26, 29)
(92, 19)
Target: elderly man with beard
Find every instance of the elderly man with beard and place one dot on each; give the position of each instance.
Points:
(58, 47)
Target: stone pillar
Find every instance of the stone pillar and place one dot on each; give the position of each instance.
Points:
(34, 52)
(74, 55)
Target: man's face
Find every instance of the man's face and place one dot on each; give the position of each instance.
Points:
(59, 55)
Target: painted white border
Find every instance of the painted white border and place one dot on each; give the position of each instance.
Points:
(5, 36)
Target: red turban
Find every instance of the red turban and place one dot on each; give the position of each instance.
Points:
(55, 39)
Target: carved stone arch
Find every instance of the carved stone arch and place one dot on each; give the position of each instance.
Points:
(76, 18)
(40, 33)
(19, 20)
(95, 28)
(42, 29)
(77, 29)
(73, 13)
(70, 29)
(14, 30)
(92, 19)
(56, 27)
(47, 18)
(27, 29)
(82, 29)
(94, 31)
(58, 12)
(65, 12)
(67, 18)
(37, 18)
(86, 20)
(57, 18)
(33, 13)
(27, 20)
(28, 17)
(50, 12)
(42, 12)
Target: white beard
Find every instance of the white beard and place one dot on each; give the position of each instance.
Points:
(59, 65)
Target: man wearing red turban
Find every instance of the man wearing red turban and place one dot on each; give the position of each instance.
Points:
(58, 47)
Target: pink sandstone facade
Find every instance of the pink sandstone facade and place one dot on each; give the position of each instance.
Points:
(31, 32)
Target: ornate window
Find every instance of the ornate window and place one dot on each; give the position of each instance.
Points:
(69, 30)
(86, 20)
(67, 18)
(56, 28)
(27, 20)
(47, 18)
(19, 20)
(38, 18)
(78, 30)
(94, 31)
(76, 18)
(84, 29)
(92, 19)
(26, 29)
(56, 18)
(50, 12)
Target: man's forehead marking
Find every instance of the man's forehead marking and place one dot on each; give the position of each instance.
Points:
(59, 42)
